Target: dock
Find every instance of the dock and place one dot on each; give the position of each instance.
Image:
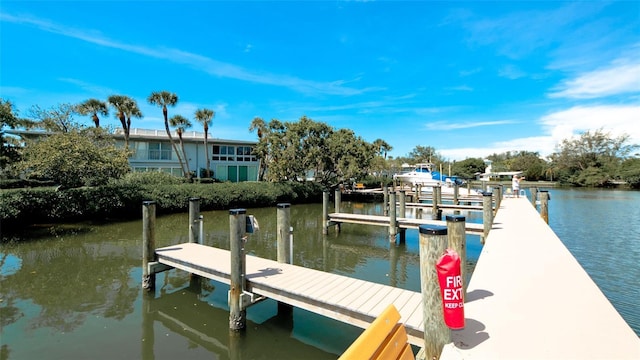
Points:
(403, 223)
(342, 298)
(529, 298)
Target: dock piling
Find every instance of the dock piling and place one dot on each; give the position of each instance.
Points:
(457, 241)
(433, 242)
(534, 196)
(194, 217)
(487, 214)
(544, 205)
(498, 195)
(283, 225)
(148, 244)
(237, 228)
(393, 221)
(385, 205)
(325, 212)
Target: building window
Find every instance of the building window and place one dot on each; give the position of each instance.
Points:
(223, 153)
(159, 151)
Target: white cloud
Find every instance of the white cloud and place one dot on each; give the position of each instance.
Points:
(618, 78)
(447, 125)
(196, 61)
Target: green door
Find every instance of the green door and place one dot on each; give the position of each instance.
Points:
(243, 174)
(233, 173)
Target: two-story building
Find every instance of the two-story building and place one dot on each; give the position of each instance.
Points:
(231, 160)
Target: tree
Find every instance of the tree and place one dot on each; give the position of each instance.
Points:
(93, 107)
(261, 150)
(306, 148)
(55, 119)
(181, 123)
(164, 99)
(126, 108)
(9, 150)
(204, 117)
(75, 158)
(468, 168)
(382, 147)
(592, 158)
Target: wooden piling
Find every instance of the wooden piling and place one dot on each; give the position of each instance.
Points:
(436, 199)
(402, 208)
(433, 242)
(456, 193)
(534, 196)
(325, 212)
(497, 191)
(337, 205)
(148, 244)
(385, 205)
(194, 220)
(544, 205)
(237, 229)
(283, 224)
(393, 221)
(487, 214)
(458, 240)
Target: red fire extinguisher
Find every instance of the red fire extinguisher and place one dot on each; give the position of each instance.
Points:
(448, 267)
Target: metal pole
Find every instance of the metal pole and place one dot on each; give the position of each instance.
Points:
(433, 242)
(237, 228)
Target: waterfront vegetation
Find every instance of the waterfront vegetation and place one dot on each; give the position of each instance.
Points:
(90, 177)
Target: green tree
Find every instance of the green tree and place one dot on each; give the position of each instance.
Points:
(261, 150)
(204, 117)
(164, 99)
(591, 159)
(126, 108)
(468, 168)
(93, 107)
(9, 151)
(55, 119)
(181, 123)
(630, 172)
(75, 158)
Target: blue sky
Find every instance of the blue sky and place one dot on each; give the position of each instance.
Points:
(467, 78)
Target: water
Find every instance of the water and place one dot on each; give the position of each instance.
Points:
(73, 291)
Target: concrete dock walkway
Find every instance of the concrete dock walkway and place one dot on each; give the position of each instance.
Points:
(529, 298)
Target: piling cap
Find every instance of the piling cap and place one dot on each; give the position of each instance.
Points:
(487, 193)
(283, 205)
(455, 218)
(194, 199)
(237, 211)
(433, 230)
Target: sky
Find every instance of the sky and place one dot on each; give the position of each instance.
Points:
(469, 79)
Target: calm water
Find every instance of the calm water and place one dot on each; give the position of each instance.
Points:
(73, 291)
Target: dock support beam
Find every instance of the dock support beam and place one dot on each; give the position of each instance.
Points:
(194, 220)
(436, 213)
(433, 242)
(498, 193)
(544, 205)
(385, 200)
(487, 214)
(283, 225)
(456, 193)
(393, 221)
(237, 228)
(534, 195)
(457, 236)
(148, 244)
(338, 204)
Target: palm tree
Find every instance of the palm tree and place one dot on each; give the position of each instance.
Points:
(181, 123)
(204, 117)
(261, 149)
(164, 99)
(93, 107)
(125, 108)
(382, 147)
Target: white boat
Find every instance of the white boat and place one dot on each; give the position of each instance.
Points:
(423, 175)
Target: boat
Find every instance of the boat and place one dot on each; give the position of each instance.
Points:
(426, 177)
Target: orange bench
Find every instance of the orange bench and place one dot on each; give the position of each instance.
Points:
(385, 338)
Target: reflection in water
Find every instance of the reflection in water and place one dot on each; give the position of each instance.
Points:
(74, 291)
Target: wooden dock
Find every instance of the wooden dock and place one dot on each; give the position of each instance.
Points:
(403, 223)
(342, 298)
